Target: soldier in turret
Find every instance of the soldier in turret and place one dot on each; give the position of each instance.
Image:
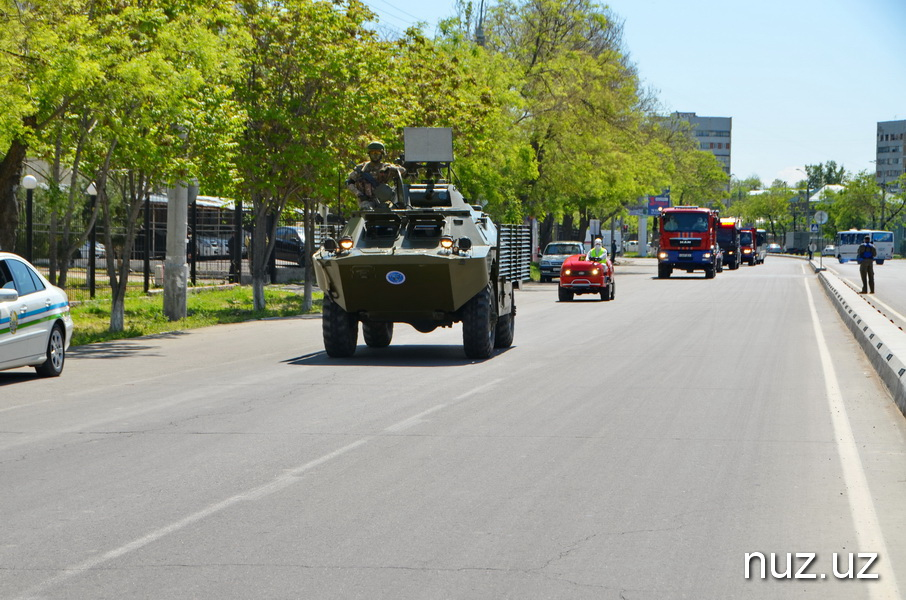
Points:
(369, 180)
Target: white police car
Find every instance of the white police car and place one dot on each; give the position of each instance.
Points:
(35, 324)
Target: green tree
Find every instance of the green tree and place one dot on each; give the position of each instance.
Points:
(580, 104)
(312, 84)
(45, 66)
(153, 115)
(825, 174)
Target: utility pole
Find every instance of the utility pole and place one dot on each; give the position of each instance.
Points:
(176, 271)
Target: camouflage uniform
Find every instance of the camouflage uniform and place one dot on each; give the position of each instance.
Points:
(363, 180)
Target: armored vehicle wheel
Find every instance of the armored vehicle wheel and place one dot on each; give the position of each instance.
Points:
(506, 328)
(340, 329)
(377, 335)
(663, 272)
(479, 327)
(564, 294)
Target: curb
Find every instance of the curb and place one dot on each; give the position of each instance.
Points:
(882, 341)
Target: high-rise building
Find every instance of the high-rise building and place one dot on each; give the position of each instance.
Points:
(890, 159)
(713, 134)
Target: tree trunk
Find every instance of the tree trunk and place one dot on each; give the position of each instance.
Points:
(10, 175)
(260, 252)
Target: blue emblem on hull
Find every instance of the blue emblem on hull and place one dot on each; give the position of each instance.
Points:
(395, 278)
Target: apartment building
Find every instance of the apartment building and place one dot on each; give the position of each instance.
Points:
(713, 134)
(890, 159)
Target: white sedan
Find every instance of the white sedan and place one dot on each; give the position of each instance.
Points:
(35, 324)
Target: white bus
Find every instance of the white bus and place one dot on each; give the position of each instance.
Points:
(848, 242)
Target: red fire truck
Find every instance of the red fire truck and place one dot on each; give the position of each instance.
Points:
(688, 241)
(751, 245)
(728, 239)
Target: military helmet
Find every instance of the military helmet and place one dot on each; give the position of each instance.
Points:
(376, 146)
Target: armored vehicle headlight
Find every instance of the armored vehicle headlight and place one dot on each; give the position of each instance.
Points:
(330, 245)
(446, 242)
(346, 243)
(465, 243)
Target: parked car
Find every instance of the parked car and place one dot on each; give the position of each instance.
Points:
(773, 249)
(85, 250)
(829, 250)
(35, 324)
(553, 256)
(290, 244)
(210, 246)
(581, 276)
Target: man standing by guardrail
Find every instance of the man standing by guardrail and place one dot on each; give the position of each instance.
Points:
(866, 257)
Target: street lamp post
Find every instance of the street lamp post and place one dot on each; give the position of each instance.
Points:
(92, 192)
(29, 183)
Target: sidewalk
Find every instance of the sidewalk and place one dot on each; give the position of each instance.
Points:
(883, 342)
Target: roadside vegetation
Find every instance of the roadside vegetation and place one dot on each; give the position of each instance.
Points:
(206, 307)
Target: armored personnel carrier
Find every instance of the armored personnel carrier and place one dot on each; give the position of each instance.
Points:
(428, 259)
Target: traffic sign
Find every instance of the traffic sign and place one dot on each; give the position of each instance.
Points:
(814, 227)
(821, 217)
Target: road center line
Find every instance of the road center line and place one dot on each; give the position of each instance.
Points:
(861, 506)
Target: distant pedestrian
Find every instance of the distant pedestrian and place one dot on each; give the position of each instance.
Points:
(866, 256)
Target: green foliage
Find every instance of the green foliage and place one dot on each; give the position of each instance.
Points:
(205, 308)
(825, 174)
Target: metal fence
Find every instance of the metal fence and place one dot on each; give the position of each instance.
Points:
(212, 254)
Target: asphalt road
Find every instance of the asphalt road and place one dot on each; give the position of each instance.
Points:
(634, 449)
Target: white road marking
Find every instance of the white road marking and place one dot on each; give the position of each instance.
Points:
(861, 506)
(412, 421)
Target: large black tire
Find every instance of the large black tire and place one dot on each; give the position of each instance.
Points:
(564, 294)
(377, 335)
(709, 272)
(479, 325)
(340, 329)
(56, 353)
(663, 271)
(506, 329)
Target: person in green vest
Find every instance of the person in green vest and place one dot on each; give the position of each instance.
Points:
(597, 253)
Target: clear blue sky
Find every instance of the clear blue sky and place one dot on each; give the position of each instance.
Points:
(805, 81)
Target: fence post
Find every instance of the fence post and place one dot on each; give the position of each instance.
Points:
(238, 243)
(272, 259)
(93, 240)
(147, 249)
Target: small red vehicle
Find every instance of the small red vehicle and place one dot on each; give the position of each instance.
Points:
(581, 276)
